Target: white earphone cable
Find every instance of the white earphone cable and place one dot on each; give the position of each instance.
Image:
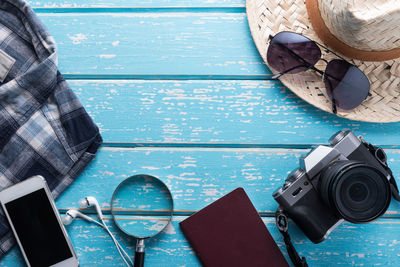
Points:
(118, 245)
(103, 225)
(92, 202)
(119, 248)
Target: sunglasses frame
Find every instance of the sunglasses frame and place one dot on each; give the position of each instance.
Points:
(312, 67)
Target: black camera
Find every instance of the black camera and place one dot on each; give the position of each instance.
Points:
(348, 180)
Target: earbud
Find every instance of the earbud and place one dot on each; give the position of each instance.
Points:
(91, 202)
(71, 215)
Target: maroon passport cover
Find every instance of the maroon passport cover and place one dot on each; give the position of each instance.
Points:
(229, 232)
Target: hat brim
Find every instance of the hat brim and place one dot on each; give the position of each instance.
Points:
(268, 17)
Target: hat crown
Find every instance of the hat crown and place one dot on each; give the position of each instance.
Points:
(370, 25)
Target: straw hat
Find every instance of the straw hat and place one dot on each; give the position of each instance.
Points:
(365, 32)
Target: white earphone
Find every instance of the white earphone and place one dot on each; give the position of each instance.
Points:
(72, 214)
(87, 202)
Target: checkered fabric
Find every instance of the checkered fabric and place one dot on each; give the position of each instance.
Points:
(44, 130)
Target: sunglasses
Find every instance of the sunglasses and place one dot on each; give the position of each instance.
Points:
(290, 53)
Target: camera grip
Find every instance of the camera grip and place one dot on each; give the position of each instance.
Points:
(314, 220)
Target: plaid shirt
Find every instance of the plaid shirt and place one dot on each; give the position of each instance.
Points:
(44, 130)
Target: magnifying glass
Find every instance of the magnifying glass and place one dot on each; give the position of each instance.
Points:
(141, 207)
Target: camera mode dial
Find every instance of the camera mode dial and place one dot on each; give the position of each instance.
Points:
(293, 176)
(337, 137)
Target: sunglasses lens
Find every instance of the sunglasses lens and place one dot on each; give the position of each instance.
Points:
(346, 83)
(292, 53)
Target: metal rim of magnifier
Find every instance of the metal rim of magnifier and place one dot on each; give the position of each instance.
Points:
(133, 177)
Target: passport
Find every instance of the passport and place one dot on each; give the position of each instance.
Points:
(230, 232)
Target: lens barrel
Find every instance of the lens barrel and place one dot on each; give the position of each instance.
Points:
(358, 192)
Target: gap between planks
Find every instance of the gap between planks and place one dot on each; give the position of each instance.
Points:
(170, 9)
(273, 148)
(187, 213)
(167, 77)
(221, 145)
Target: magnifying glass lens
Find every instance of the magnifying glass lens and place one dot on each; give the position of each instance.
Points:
(142, 206)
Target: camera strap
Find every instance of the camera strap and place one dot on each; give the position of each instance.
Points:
(380, 155)
(282, 224)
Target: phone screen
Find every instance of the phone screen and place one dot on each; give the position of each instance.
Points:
(38, 229)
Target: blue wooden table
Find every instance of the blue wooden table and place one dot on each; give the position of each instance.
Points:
(179, 91)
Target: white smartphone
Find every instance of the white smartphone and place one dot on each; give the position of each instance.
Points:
(34, 219)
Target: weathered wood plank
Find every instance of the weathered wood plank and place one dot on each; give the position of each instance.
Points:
(196, 177)
(128, 3)
(155, 43)
(355, 245)
(214, 112)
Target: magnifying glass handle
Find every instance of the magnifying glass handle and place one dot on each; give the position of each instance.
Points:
(139, 254)
(139, 259)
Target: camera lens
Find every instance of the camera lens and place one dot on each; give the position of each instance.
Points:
(360, 193)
